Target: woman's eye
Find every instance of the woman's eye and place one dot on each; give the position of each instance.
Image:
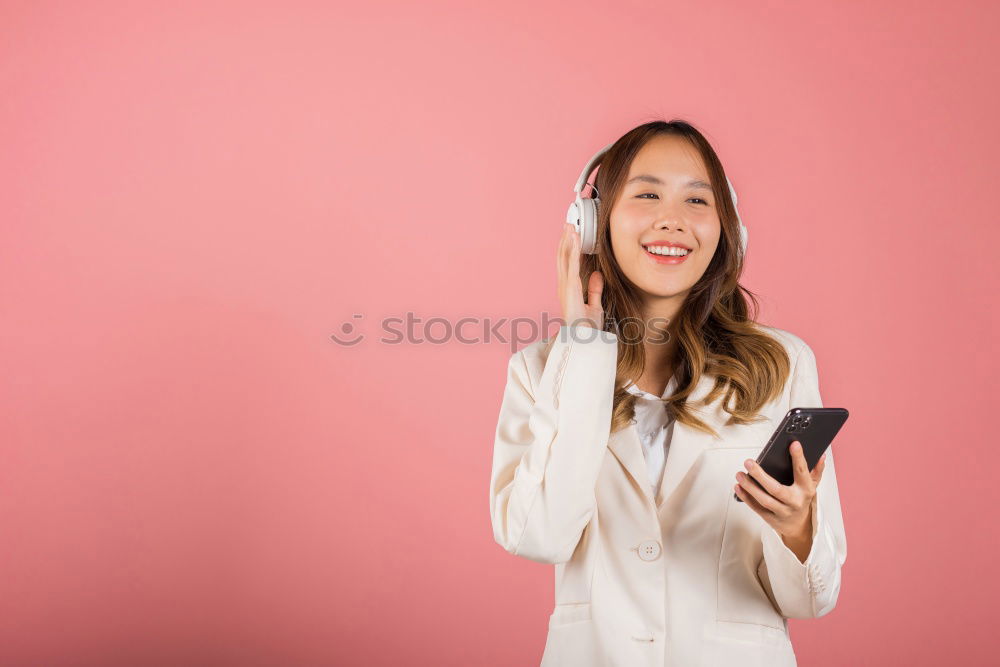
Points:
(653, 195)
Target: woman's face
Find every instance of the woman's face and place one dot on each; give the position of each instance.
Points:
(667, 198)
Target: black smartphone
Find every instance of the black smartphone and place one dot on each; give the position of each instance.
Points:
(815, 428)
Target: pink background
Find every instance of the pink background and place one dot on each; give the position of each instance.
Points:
(195, 196)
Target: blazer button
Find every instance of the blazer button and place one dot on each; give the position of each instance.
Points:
(649, 550)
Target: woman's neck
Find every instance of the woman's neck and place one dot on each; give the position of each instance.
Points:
(658, 368)
(660, 343)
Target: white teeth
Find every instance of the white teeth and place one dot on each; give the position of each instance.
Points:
(667, 250)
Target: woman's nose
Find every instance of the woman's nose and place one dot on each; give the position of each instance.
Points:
(669, 222)
(669, 216)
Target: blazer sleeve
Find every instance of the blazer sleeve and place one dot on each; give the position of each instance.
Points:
(550, 443)
(809, 589)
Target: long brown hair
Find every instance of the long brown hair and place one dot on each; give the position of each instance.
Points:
(715, 327)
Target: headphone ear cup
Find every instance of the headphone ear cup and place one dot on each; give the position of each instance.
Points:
(574, 216)
(588, 231)
(739, 220)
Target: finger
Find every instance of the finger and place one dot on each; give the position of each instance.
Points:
(770, 484)
(574, 285)
(561, 253)
(563, 267)
(799, 465)
(595, 286)
(752, 503)
(574, 253)
(763, 498)
(595, 309)
(817, 472)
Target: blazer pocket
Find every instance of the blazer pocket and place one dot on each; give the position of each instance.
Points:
(741, 597)
(567, 614)
(572, 639)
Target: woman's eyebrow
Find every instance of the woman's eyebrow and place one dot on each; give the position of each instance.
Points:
(653, 179)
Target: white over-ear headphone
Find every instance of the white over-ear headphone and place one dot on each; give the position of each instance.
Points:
(582, 212)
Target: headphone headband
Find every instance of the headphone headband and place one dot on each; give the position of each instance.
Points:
(589, 168)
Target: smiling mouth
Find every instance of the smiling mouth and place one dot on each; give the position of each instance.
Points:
(667, 251)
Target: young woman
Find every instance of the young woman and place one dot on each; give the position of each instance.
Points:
(622, 439)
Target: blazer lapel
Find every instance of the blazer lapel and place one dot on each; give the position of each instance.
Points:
(686, 445)
(625, 445)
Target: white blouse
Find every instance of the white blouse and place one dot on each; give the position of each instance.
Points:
(655, 428)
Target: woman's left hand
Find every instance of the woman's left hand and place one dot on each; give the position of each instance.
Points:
(787, 509)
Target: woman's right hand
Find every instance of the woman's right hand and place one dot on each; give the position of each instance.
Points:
(575, 311)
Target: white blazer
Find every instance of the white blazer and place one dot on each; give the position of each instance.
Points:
(689, 578)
